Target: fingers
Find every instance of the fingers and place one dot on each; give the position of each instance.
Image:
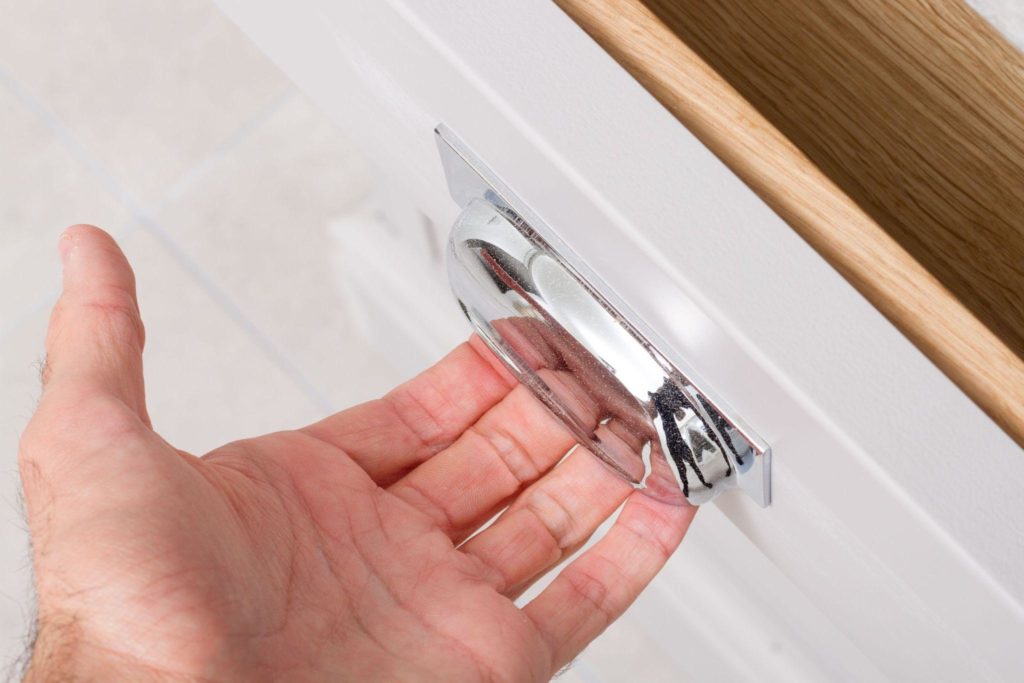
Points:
(510, 446)
(390, 436)
(548, 521)
(597, 587)
(95, 339)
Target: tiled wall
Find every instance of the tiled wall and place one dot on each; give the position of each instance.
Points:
(163, 124)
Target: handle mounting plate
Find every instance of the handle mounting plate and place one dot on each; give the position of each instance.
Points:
(586, 354)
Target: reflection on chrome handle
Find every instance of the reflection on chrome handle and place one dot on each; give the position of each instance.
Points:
(548, 320)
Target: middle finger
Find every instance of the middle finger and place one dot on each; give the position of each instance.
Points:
(512, 445)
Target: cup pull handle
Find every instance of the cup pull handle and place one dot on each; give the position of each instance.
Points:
(552, 323)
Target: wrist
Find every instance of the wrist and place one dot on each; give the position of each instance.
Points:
(59, 653)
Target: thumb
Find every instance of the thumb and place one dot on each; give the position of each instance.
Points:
(95, 339)
(91, 428)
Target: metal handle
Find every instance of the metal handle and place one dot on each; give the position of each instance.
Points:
(545, 315)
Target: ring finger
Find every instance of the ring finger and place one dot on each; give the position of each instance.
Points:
(549, 521)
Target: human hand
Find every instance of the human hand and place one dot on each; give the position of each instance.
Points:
(333, 552)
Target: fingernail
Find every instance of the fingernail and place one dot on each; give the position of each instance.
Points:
(65, 244)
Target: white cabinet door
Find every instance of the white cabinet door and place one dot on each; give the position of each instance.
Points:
(893, 547)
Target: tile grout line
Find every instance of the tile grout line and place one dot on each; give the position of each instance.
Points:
(146, 221)
(232, 142)
(57, 127)
(235, 313)
(63, 135)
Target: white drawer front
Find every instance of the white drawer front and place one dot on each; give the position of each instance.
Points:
(893, 547)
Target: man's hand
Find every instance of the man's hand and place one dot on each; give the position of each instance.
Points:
(333, 552)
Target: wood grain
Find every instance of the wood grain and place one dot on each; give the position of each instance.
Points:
(888, 133)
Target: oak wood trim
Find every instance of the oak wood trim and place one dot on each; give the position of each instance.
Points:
(888, 133)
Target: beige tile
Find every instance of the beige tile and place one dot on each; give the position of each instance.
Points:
(257, 224)
(43, 189)
(147, 88)
(207, 381)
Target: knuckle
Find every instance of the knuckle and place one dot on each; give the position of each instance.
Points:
(553, 515)
(649, 532)
(74, 418)
(418, 409)
(591, 591)
(112, 313)
(481, 570)
(510, 451)
(118, 316)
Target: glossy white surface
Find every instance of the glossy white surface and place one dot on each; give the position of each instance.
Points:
(896, 511)
(1005, 15)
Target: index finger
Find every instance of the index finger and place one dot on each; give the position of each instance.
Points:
(389, 436)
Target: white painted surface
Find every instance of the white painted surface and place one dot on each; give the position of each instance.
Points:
(1005, 15)
(897, 521)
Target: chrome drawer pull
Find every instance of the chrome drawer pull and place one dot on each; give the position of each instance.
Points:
(551, 322)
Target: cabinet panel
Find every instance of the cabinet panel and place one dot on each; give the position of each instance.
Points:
(890, 486)
(886, 132)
